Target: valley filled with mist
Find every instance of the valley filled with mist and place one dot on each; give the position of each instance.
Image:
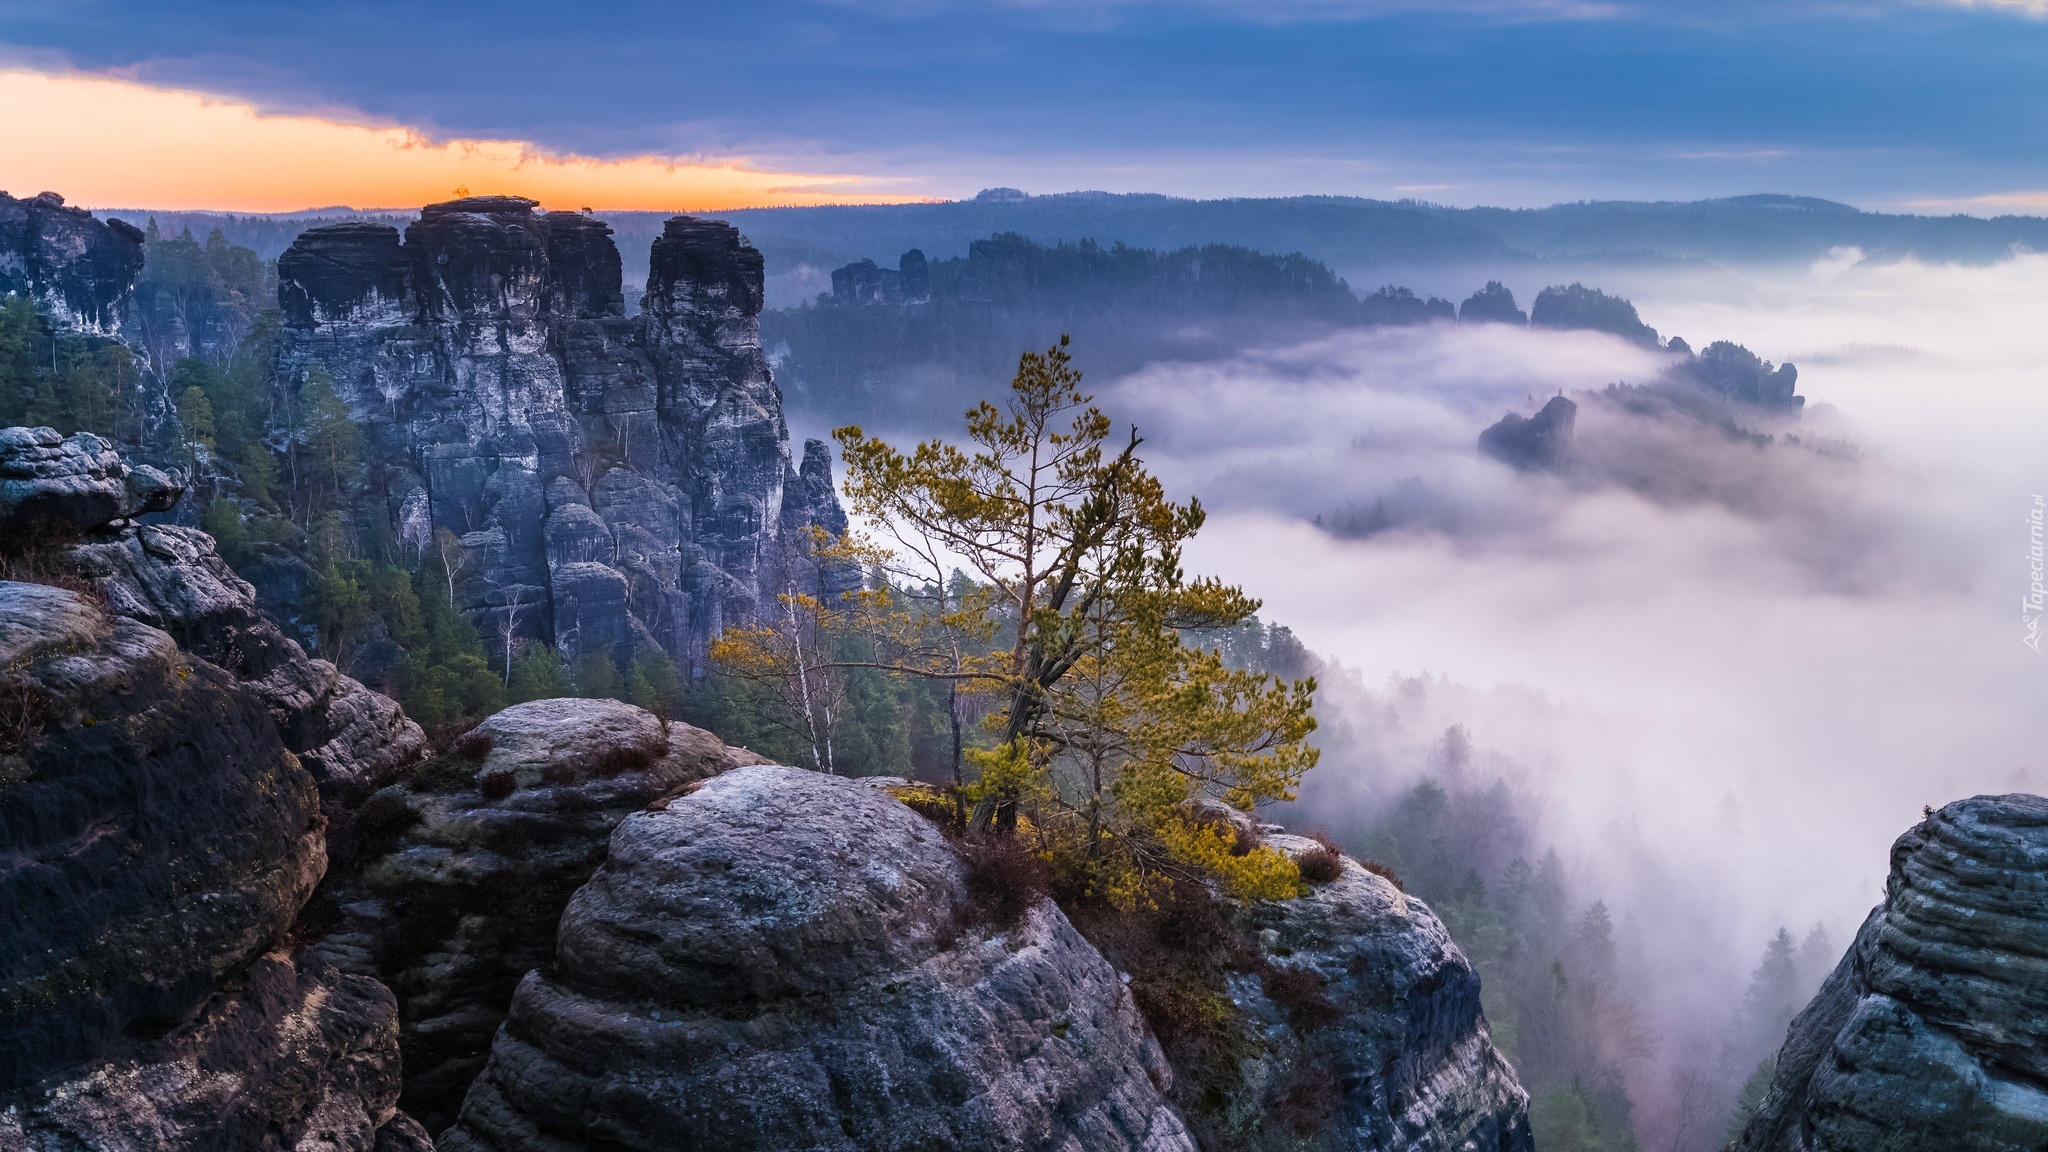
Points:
(1698, 673)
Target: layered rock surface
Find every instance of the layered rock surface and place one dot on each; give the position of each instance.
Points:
(77, 499)
(1932, 1033)
(1402, 1042)
(616, 482)
(156, 842)
(452, 881)
(778, 960)
(79, 268)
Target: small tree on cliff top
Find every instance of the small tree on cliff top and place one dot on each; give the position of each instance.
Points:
(1108, 724)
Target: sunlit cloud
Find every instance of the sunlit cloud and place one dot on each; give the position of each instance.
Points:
(99, 140)
(1991, 203)
(2026, 7)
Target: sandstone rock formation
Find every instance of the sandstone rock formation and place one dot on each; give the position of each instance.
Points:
(75, 498)
(864, 282)
(617, 483)
(1538, 443)
(450, 883)
(158, 841)
(1932, 1033)
(79, 268)
(1402, 1042)
(294, 1055)
(784, 960)
(53, 485)
(1729, 370)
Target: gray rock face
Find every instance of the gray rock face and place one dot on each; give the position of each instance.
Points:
(1403, 1045)
(1932, 1033)
(171, 578)
(617, 483)
(779, 960)
(156, 834)
(449, 886)
(51, 483)
(79, 268)
(295, 1056)
(56, 490)
(1538, 443)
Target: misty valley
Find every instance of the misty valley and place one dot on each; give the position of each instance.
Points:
(1040, 672)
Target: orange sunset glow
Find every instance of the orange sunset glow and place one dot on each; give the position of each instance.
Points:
(157, 148)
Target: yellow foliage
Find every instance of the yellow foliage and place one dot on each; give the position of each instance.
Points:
(1261, 874)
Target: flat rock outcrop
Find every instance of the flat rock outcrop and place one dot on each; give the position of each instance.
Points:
(1932, 1033)
(786, 960)
(451, 882)
(52, 485)
(617, 483)
(79, 268)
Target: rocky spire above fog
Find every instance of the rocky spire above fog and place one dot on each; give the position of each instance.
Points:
(616, 481)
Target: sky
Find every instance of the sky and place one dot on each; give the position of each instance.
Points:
(1920, 105)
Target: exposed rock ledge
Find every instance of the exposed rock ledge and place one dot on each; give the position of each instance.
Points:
(1932, 1033)
(773, 962)
(156, 841)
(782, 960)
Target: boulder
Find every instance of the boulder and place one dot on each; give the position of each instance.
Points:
(168, 577)
(1932, 1032)
(448, 886)
(785, 960)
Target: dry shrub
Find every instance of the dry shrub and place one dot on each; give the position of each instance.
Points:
(23, 707)
(624, 758)
(472, 746)
(1309, 1100)
(1299, 991)
(497, 785)
(1322, 863)
(1386, 873)
(1005, 879)
(1244, 839)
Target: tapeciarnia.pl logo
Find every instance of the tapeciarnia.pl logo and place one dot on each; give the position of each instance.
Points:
(2036, 600)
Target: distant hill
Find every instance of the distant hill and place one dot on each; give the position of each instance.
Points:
(1356, 237)
(899, 344)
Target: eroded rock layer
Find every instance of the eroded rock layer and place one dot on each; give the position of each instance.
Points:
(777, 960)
(79, 268)
(1932, 1033)
(617, 483)
(451, 883)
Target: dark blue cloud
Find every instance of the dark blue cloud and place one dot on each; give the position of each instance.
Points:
(1870, 101)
